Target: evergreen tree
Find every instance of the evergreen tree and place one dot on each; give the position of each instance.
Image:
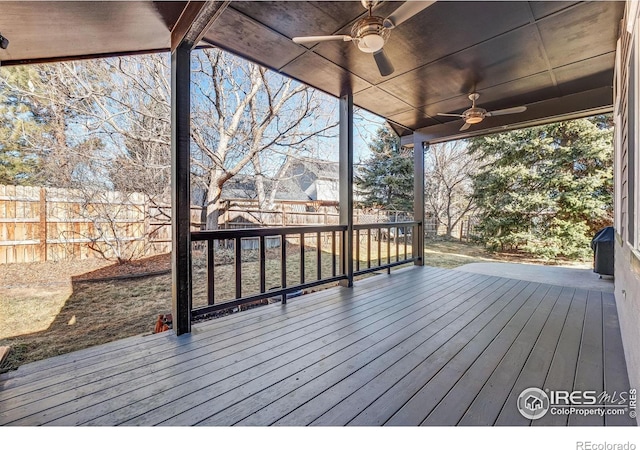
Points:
(19, 120)
(546, 190)
(385, 180)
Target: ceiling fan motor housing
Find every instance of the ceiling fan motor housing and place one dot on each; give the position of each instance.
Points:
(369, 34)
(474, 115)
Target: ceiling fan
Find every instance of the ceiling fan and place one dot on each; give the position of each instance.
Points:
(370, 33)
(476, 115)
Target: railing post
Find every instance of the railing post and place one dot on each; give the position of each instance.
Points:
(418, 199)
(346, 184)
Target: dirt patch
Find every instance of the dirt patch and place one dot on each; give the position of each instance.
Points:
(151, 265)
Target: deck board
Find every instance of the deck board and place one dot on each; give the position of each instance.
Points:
(590, 369)
(459, 398)
(197, 354)
(491, 398)
(387, 405)
(420, 346)
(517, 312)
(561, 373)
(616, 379)
(355, 402)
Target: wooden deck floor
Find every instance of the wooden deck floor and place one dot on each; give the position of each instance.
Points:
(421, 346)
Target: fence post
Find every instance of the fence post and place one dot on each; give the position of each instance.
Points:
(146, 241)
(43, 224)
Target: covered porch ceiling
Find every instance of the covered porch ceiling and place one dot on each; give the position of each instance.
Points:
(554, 57)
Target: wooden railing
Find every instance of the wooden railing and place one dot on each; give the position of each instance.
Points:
(220, 238)
(391, 243)
(383, 237)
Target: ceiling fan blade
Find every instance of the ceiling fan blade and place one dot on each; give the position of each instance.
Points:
(466, 126)
(405, 12)
(384, 65)
(314, 39)
(450, 115)
(502, 112)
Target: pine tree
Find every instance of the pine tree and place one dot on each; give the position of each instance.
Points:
(18, 120)
(546, 190)
(385, 180)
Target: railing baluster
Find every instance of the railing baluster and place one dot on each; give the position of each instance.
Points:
(283, 266)
(389, 249)
(405, 242)
(357, 243)
(301, 258)
(263, 262)
(319, 255)
(238, 262)
(343, 254)
(397, 239)
(379, 234)
(333, 253)
(210, 272)
(368, 248)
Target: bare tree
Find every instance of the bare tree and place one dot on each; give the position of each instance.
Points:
(109, 127)
(244, 118)
(448, 183)
(245, 115)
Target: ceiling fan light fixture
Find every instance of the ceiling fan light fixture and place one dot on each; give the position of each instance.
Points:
(371, 43)
(474, 119)
(369, 35)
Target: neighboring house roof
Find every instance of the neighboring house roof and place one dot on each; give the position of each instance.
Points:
(306, 180)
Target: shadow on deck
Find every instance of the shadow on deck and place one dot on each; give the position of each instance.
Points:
(421, 346)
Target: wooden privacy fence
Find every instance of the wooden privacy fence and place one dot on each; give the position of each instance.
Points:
(40, 224)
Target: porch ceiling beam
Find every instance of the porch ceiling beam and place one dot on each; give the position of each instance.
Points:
(575, 106)
(195, 21)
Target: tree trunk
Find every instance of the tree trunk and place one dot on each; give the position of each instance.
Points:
(214, 202)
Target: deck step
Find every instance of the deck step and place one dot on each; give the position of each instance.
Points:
(4, 353)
